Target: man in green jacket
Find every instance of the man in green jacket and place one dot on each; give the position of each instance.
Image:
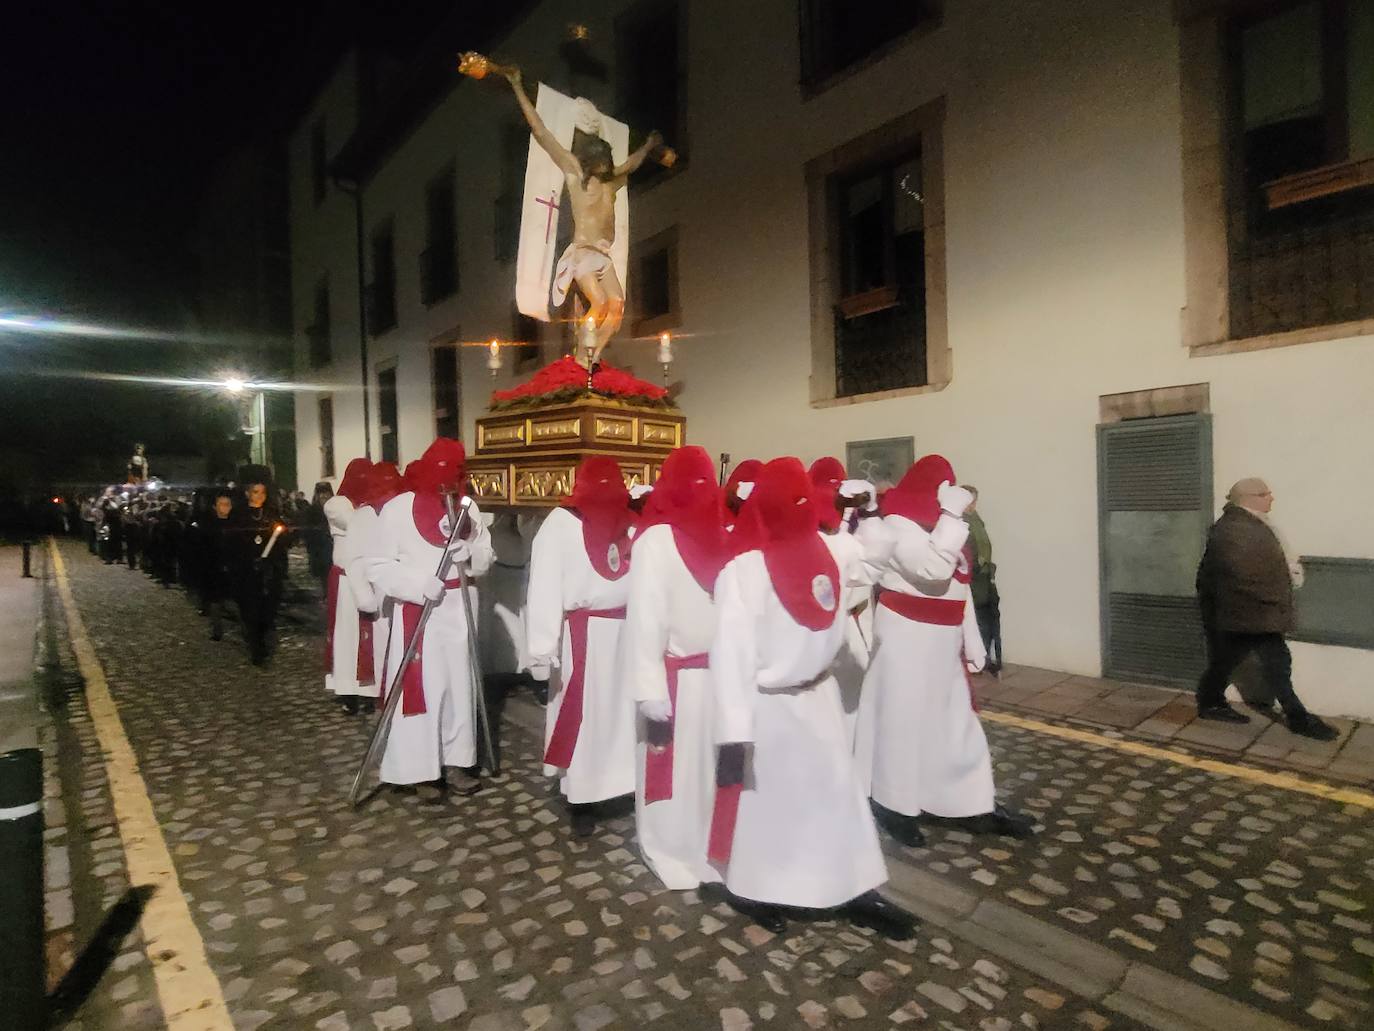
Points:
(987, 603)
(1245, 590)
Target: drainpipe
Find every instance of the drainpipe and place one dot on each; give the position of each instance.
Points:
(355, 188)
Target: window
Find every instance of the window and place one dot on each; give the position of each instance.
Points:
(381, 292)
(1301, 177)
(877, 262)
(439, 259)
(387, 414)
(318, 330)
(836, 34)
(326, 414)
(319, 162)
(444, 367)
(653, 285)
(652, 78)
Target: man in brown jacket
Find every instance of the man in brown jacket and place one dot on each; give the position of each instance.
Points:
(1246, 592)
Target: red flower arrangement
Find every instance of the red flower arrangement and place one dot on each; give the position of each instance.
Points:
(566, 380)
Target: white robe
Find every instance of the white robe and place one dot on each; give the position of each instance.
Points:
(920, 745)
(669, 613)
(362, 530)
(562, 579)
(804, 834)
(851, 664)
(341, 516)
(400, 563)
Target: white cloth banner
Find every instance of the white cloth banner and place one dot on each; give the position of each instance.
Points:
(543, 198)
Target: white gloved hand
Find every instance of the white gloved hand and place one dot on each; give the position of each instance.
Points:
(434, 589)
(953, 500)
(459, 552)
(975, 667)
(364, 596)
(660, 710)
(540, 671)
(856, 488)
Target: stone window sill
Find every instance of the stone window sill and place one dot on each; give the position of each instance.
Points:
(878, 395)
(1308, 335)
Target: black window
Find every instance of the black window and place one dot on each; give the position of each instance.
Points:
(318, 330)
(387, 413)
(444, 363)
(838, 33)
(880, 313)
(319, 163)
(439, 259)
(1302, 174)
(652, 77)
(326, 412)
(381, 308)
(653, 285)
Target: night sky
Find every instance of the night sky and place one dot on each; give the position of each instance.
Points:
(113, 116)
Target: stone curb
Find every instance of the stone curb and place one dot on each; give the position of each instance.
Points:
(1091, 971)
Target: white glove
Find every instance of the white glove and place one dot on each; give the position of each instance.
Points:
(743, 489)
(540, 671)
(364, 596)
(434, 589)
(660, 710)
(975, 666)
(953, 500)
(639, 490)
(459, 552)
(855, 488)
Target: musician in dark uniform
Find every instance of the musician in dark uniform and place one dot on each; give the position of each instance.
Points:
(257, 561)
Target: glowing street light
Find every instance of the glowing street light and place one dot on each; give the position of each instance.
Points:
(234, 385)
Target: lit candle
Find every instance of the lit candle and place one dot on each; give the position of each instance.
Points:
(665, 348)
(494, 357)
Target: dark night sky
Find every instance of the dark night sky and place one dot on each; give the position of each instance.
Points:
(113, 115)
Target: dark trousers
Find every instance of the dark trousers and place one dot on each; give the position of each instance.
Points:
(1226, 650)
(990, 629)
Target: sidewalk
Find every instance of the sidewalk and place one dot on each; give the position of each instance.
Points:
(19, 607)
(1170, 715)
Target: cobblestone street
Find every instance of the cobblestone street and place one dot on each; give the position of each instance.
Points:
(485, 913)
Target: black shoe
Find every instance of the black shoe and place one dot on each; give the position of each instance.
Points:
(366, 706)
(873, 911)
(1311, 726)
(767, 916)
(583, 821)
(464, 781)
(1222, 713)
(1011, 825)
(350, 704)
(903, 829)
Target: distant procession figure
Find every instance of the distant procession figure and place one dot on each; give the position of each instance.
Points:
(258, 547)
(137, 466)
(1245, 591)
(350, 603)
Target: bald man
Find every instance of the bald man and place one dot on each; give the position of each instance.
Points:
(1245, 590)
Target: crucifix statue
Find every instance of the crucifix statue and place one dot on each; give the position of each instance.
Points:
(593, 179)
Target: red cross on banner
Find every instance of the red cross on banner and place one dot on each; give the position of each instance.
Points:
(552, 204)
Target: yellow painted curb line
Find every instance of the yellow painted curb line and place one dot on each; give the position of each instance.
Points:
(187, 989)
(1283, 781)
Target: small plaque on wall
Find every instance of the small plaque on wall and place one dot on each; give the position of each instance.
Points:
(881, 462)
(1335, 604)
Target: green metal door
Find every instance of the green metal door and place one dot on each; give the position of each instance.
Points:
(1154, 489)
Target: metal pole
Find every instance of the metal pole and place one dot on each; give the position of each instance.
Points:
(23, 973)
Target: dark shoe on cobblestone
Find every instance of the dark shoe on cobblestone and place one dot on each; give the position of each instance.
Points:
(349, 704)
(873, 911)
(1311, 726)
(583, 821)
(464, 782)
(1222, 714)
(767, 916)
(905, 830)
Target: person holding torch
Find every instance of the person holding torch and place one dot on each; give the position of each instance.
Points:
(258, 544)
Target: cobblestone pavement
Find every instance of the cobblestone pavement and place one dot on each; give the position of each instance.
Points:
(484, 913)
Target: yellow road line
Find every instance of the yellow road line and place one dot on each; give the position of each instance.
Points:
(1284, 781)
(187, 988)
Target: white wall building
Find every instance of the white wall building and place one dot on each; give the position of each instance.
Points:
(1093, 244)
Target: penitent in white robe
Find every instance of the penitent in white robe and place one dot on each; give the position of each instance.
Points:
(342, 517)
(362, 530)
(851, 664)
(804, 835)
(669, 614)
(400, 563)
(920, 744)
(562, 579)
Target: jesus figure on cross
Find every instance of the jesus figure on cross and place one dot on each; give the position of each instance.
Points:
(592, 179)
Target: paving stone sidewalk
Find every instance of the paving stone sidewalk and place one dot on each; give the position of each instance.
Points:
(1169, 715)
(482, 914)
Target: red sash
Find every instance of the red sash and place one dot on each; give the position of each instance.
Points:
(365, 671)
(723, 817)
(331, 608)
(412, 682)
(563, 741)
(935, 611)
(658, 766)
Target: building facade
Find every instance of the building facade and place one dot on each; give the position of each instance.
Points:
(1107, 258)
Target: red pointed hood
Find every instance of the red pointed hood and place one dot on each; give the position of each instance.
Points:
(800, 566)
(383, 483)
(826, 476)
(916, 497)
(353, 486)
(441, 470)
(687, 498)
(601, 501)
